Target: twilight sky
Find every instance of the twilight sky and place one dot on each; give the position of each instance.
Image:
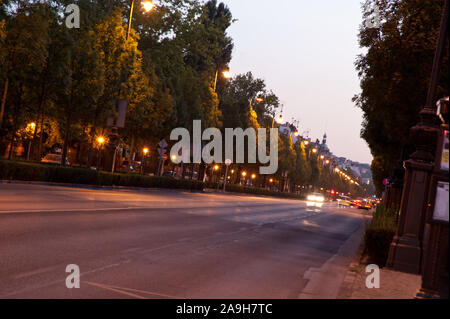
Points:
(305, 51)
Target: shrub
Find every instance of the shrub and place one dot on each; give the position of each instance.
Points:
(28, 171)
(379, 234)
(255, 191)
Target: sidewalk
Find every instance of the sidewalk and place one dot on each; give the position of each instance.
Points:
(393, 284)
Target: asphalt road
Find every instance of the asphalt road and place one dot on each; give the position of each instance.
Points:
(170, 244)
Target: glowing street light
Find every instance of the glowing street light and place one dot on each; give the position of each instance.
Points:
(253, 176)
(271, 180)
(145, 150)
(315, 150)
(244, 173)
(306, 143)
(148, 5)
(227, 74)
(216, 167)
(101, 140)
(322, 156)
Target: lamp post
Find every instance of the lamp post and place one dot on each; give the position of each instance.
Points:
(407, 249)
(144, 154)
(147, 5)
(100, 141)
(33, 127)
(226, 74)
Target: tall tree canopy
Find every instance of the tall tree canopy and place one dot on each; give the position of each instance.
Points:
(395, 74)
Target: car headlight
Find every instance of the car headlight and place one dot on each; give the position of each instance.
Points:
(320, 198)
(311, 197)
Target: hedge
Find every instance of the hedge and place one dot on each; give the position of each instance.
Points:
(379, 234)
(28, 171)
(32, 171)
(255, 191)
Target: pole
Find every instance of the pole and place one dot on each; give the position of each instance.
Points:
(99, 157)
(435, 73)
(215, 81)
(114, 161)
(130, 19)
(28, 152)
(225, 179)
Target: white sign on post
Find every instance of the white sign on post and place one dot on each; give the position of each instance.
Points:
(441, 203)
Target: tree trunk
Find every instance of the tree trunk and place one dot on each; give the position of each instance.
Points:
(91, 145)
(5, 93)
(40, 116)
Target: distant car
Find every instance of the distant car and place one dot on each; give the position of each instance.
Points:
(345, 201)
(169, 174)
(53, 158)
(361, 203)
(316, 197)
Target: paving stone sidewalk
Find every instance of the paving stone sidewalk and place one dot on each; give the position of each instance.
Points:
(393, 284)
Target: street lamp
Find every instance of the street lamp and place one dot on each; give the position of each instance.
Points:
(147, 5)
(100, 141)
(144, 154)
(32, 126)
(226, 74)
(315, 150)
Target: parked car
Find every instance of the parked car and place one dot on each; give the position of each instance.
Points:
(53, 158)
(169, 174)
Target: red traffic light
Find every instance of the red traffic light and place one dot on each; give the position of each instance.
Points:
(333, 192)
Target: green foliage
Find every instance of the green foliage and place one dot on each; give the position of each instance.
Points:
(379, 234)
(395, 74)
(256, 191)
(26, 171)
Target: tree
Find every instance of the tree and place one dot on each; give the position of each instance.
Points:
(395, 74)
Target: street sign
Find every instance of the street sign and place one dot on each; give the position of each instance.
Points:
(163, 144)
(441, 202)
(161, 151)
(228, 162)
(164, 157)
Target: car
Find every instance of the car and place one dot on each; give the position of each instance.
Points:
(54, 158)
(316, 197)
(361, 203)
(169, 174)
(345, 201)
